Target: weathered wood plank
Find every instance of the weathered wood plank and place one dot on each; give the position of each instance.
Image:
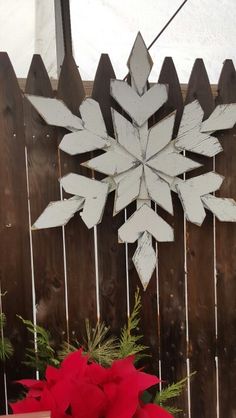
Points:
(200, 277)
(15, 273)
(225, 256)
(79, 240)
(43, 173)
(171, 263)
(111, 254)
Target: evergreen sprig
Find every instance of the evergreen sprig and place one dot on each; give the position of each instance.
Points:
(6, 348)
(129, 339)
(171, 392)
(40, 354)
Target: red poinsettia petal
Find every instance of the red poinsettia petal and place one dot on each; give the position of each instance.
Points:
(75, 363)
(25, 405)
(52, 374)
(62, 393)
(110, 390)
(126, 401)
(90, 402)
(122, 368)
(96, 374)
(145, 380)
(31, 383)
(151, 410)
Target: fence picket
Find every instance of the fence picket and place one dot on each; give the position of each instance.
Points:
(43, 173)
(200, 277)
(225, 255)
(171, 262)
(111, 254)
(15, 272)
(79, 240)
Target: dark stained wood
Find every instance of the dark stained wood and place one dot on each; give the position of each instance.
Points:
(15, 273)
(225, 255)
(79, 240)
(171, 262)
(41, 141)
(200, 269)
(111, 254)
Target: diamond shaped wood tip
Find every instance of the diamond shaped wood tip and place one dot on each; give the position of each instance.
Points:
(140, 64)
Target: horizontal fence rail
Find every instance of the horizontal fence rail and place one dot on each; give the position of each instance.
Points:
(59, 277)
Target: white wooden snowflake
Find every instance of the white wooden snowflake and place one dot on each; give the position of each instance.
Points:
(141, 164)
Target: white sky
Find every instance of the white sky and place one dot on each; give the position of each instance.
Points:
(204, 28)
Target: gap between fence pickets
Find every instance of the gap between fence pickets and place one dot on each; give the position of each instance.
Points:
(186, 308)
(34, 309)
(4, 369)
(216, 307)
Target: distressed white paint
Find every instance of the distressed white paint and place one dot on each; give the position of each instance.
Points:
(92, 117)
(81, 141)
(191, 191)
(128, 188)
(111, 163)
(158, 190)
(191, 138)
(144, 259)
(139, 108)
(94, 192)
(58, 213)
(145, 219)
(223, 117)
(140, 64)
(142, 164)
(172, 163)
(224, 209)
(127, 134)
(55, 112)
(160, 135)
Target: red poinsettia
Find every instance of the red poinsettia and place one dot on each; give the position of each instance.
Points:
(81, 389)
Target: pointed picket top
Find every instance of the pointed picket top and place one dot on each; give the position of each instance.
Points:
(227, 84)
(199, 88)
(140, 63)
(101, 89)
(7, 71)
(69, 81)
(38, 81)
(169, 76)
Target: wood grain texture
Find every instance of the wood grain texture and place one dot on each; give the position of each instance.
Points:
(15, 274)
(200, 276)
(225, 255)
(171, 262)
(79, 240)
(111, 254)
(43, 172)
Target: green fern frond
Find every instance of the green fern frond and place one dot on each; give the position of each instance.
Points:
(129, 342)
(6, 349)
(2, 320)
(44, 354)
(99, 346)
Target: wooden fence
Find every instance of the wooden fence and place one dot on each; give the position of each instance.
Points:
(189, 307)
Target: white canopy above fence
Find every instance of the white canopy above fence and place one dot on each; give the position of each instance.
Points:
(203, 29)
